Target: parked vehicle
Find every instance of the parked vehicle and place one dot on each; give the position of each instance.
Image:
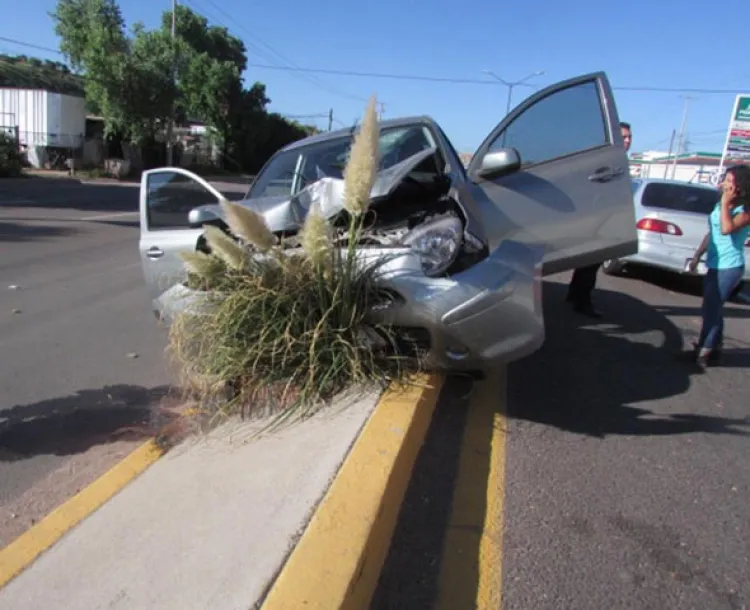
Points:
(671, 219)
(548, 190)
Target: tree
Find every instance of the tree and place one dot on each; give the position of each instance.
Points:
(138, 82)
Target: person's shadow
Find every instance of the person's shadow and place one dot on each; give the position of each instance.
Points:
(589, 375)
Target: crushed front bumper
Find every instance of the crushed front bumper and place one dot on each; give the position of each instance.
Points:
(487, 315)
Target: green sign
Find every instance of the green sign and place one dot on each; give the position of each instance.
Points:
(743, 109)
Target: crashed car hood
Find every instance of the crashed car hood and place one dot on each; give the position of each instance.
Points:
(285, 213)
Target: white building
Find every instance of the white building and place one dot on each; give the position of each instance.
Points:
(700, 167)
(40, 118)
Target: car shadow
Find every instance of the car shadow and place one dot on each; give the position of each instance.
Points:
(589, 378)
(590, 375)
(15, 232)
(666, 280)
(72, 424)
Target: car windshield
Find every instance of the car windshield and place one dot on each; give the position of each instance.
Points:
(291, 171)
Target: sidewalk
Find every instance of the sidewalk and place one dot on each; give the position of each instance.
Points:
(206, 527)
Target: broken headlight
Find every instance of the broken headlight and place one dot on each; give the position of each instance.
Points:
(438, 242)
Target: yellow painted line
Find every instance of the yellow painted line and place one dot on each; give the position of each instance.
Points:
(20, 553)
(472, 559)
(337, 562)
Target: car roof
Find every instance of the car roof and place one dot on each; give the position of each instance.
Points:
(389, 123)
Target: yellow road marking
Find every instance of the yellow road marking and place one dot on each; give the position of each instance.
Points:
(337, 562)
(20, 553)
(471, 569)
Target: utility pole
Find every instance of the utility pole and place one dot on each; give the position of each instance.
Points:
(170, 124)
(669, 154)
(511, 86)
(330, 119)
(681, 139)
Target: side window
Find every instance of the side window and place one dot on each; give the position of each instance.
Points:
(170, 198)
(277, 178)
(679, 198)
(565, 122)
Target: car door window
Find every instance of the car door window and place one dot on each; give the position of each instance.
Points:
(566, 122)
(170, 197)
(679, 198)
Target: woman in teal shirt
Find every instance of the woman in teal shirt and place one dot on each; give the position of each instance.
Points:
(728, 229)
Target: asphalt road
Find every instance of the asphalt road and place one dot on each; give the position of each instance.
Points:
(624, 476)
(82, 355)
(625, 479)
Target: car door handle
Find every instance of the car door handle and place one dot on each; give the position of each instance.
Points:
(605, 174)
(154, 253)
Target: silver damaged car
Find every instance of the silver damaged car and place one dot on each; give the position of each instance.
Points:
(548, 190)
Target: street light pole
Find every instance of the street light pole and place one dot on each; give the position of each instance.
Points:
(513, 84)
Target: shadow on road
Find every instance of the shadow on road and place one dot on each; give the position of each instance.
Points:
(667, 280)
(70, 194)
(13, 232)
(73, 424)
(588, 377)
(62, 193)
(411, 576)
(585, 380)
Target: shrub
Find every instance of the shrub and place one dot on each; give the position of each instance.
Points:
(284, 326)
(10, 157)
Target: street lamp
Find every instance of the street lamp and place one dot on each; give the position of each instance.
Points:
(514, 84)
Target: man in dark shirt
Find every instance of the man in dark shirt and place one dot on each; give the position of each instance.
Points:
(584, 279)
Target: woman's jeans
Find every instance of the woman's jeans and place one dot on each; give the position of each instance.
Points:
(718, 286)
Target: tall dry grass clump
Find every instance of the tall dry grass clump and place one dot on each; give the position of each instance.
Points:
(287, 328)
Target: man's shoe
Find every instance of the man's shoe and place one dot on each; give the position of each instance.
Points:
(587, 310)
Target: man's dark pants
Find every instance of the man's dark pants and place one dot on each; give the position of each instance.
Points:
(582, 285)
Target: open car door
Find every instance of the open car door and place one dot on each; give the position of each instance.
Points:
(554, 173)
(166, 197)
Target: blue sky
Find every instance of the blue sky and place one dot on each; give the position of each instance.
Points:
(639, 44)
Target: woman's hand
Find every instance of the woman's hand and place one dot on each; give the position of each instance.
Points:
(693, 264)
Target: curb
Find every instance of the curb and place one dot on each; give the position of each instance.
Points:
(337, 562)
(24, 550)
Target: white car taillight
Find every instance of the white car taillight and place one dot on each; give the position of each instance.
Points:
(656, 225)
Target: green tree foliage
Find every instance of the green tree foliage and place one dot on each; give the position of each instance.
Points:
(32, 73)
(10, 158)
(138, 80)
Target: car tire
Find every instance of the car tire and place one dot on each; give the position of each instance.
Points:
(613, 266)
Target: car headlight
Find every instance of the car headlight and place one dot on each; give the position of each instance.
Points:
(438, 242)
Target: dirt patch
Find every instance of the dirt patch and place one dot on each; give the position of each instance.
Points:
(23, 511)
(170, 423)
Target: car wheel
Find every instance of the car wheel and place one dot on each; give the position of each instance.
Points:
(613, 266)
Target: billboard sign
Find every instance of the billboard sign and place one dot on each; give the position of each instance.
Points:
(737, 144)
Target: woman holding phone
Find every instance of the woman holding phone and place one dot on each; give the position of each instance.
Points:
(724, 246)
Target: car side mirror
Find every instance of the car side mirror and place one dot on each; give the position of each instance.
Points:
(499, 163)
(197, 217)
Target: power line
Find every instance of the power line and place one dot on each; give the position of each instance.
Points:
(427, 78)
(476, 81)
(281, 58)
(30, 46)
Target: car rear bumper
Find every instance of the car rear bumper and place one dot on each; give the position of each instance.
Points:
(669, 258)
